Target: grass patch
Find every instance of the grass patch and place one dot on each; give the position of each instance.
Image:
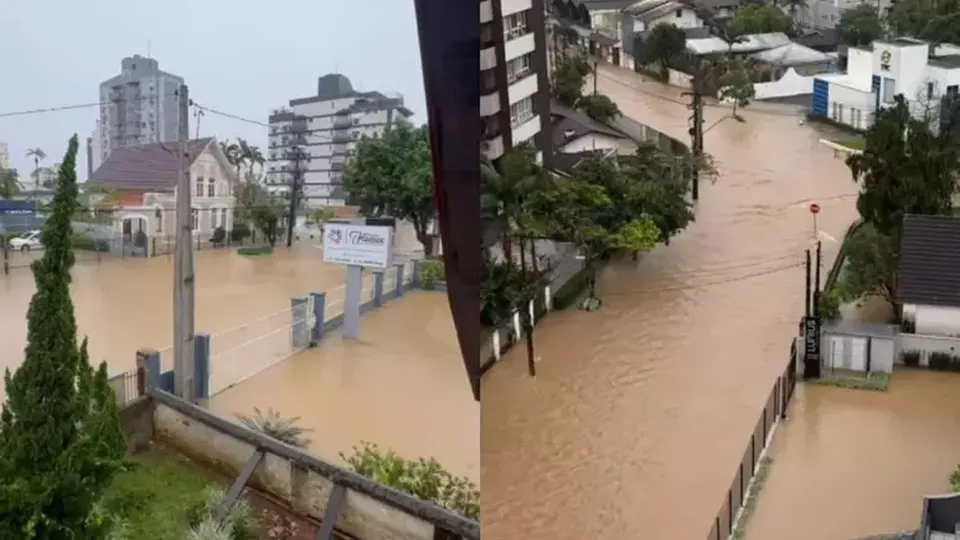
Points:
(853, 144)
(154, 497)
(255, 250)
(759, 480)
(876, 381)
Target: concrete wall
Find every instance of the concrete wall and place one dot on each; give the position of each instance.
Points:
(936, 320)
(927, 345)
(136, 419)
(852, 352)
(790, 84)
(304, 482)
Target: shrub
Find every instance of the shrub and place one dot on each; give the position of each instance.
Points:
(942, 361)
(239, 232)
(423, 478)
(829, 305)
(272, 424)
(431, 271)
(210, 529)
(955, 480)
(219, 235)
(910, 358)
(239, 523)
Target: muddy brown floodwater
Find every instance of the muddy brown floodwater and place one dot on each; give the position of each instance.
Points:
(860, 461)
(401, 386)
(123, 305)
(641, 411)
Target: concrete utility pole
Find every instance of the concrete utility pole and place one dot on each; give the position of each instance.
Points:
(295, 154)
(696, 136)
(183, 282)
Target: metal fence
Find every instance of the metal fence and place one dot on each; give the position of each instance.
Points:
(773, 409)
(128, 385)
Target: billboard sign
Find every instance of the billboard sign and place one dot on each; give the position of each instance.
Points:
(358, 245)
(18, 208)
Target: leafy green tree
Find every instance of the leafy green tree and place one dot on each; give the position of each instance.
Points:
(736, 85)
(60, 436)
(665, 46)
(569, 74)
(905, 168)
(860, 25)
(937, 21)
(255, 207)
(9, 183)
(757, 19)
(591, 212)
(599, 107)
(392, 175)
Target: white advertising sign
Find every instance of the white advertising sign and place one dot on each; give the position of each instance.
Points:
(357, 245)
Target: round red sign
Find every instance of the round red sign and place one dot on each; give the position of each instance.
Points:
(814, 208)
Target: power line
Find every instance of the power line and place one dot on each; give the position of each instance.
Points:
(321, 138)
(705, 284)
(30, 112)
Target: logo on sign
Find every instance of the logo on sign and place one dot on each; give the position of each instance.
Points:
(366, 238)
(335, 236)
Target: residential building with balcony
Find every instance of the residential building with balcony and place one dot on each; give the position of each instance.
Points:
(319, 132)
(138, 106)
(514, 77)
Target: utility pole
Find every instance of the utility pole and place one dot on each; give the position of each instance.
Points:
(297, 155)
(696, 136)
(816, 281)
(183, 277)
(595, 62)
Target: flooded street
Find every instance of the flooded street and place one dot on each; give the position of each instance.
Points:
(123, 305)
(860, 461)
(400, 386)
(640, 412)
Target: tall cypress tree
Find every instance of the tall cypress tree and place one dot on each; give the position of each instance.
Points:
(60, 435)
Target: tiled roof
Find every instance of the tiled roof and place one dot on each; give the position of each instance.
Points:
(569, 124)
(929, 261)
(147, 167)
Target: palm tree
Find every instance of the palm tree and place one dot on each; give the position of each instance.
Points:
(38, 155)
(9, 183)
(250, 155)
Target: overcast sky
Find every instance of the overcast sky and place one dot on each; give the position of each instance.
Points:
(242, 57)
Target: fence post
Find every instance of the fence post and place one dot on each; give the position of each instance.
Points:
(201, 366)
(6, 255)
(398, 286)
(149, 361)
(378, 289)
(299, 337)
(416, 275)
(319, 306)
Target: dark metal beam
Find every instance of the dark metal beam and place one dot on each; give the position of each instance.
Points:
(332, 512)
(241, 482)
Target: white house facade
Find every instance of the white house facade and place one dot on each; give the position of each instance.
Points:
(142, 181)
(875, 75)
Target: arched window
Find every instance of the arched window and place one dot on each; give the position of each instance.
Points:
(211, 188)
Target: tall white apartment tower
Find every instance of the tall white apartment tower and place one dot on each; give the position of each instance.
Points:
(323, 129)
(138, 106)
(514, 77)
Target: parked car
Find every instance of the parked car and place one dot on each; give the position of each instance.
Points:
(27, 241)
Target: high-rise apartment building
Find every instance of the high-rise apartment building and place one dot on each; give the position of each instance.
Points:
(138, 106)
(4, 156)
(514, 77)
(322, 130)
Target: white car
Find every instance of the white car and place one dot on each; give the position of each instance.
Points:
(27, 241)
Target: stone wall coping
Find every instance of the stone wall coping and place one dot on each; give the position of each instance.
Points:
(427, 511)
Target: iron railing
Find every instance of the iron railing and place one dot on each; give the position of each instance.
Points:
(773, 409)
(128, 385)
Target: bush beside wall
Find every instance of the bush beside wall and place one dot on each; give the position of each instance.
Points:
(431, 271)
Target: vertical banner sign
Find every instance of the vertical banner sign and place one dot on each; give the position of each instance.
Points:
(811, 357)
(450, 56)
